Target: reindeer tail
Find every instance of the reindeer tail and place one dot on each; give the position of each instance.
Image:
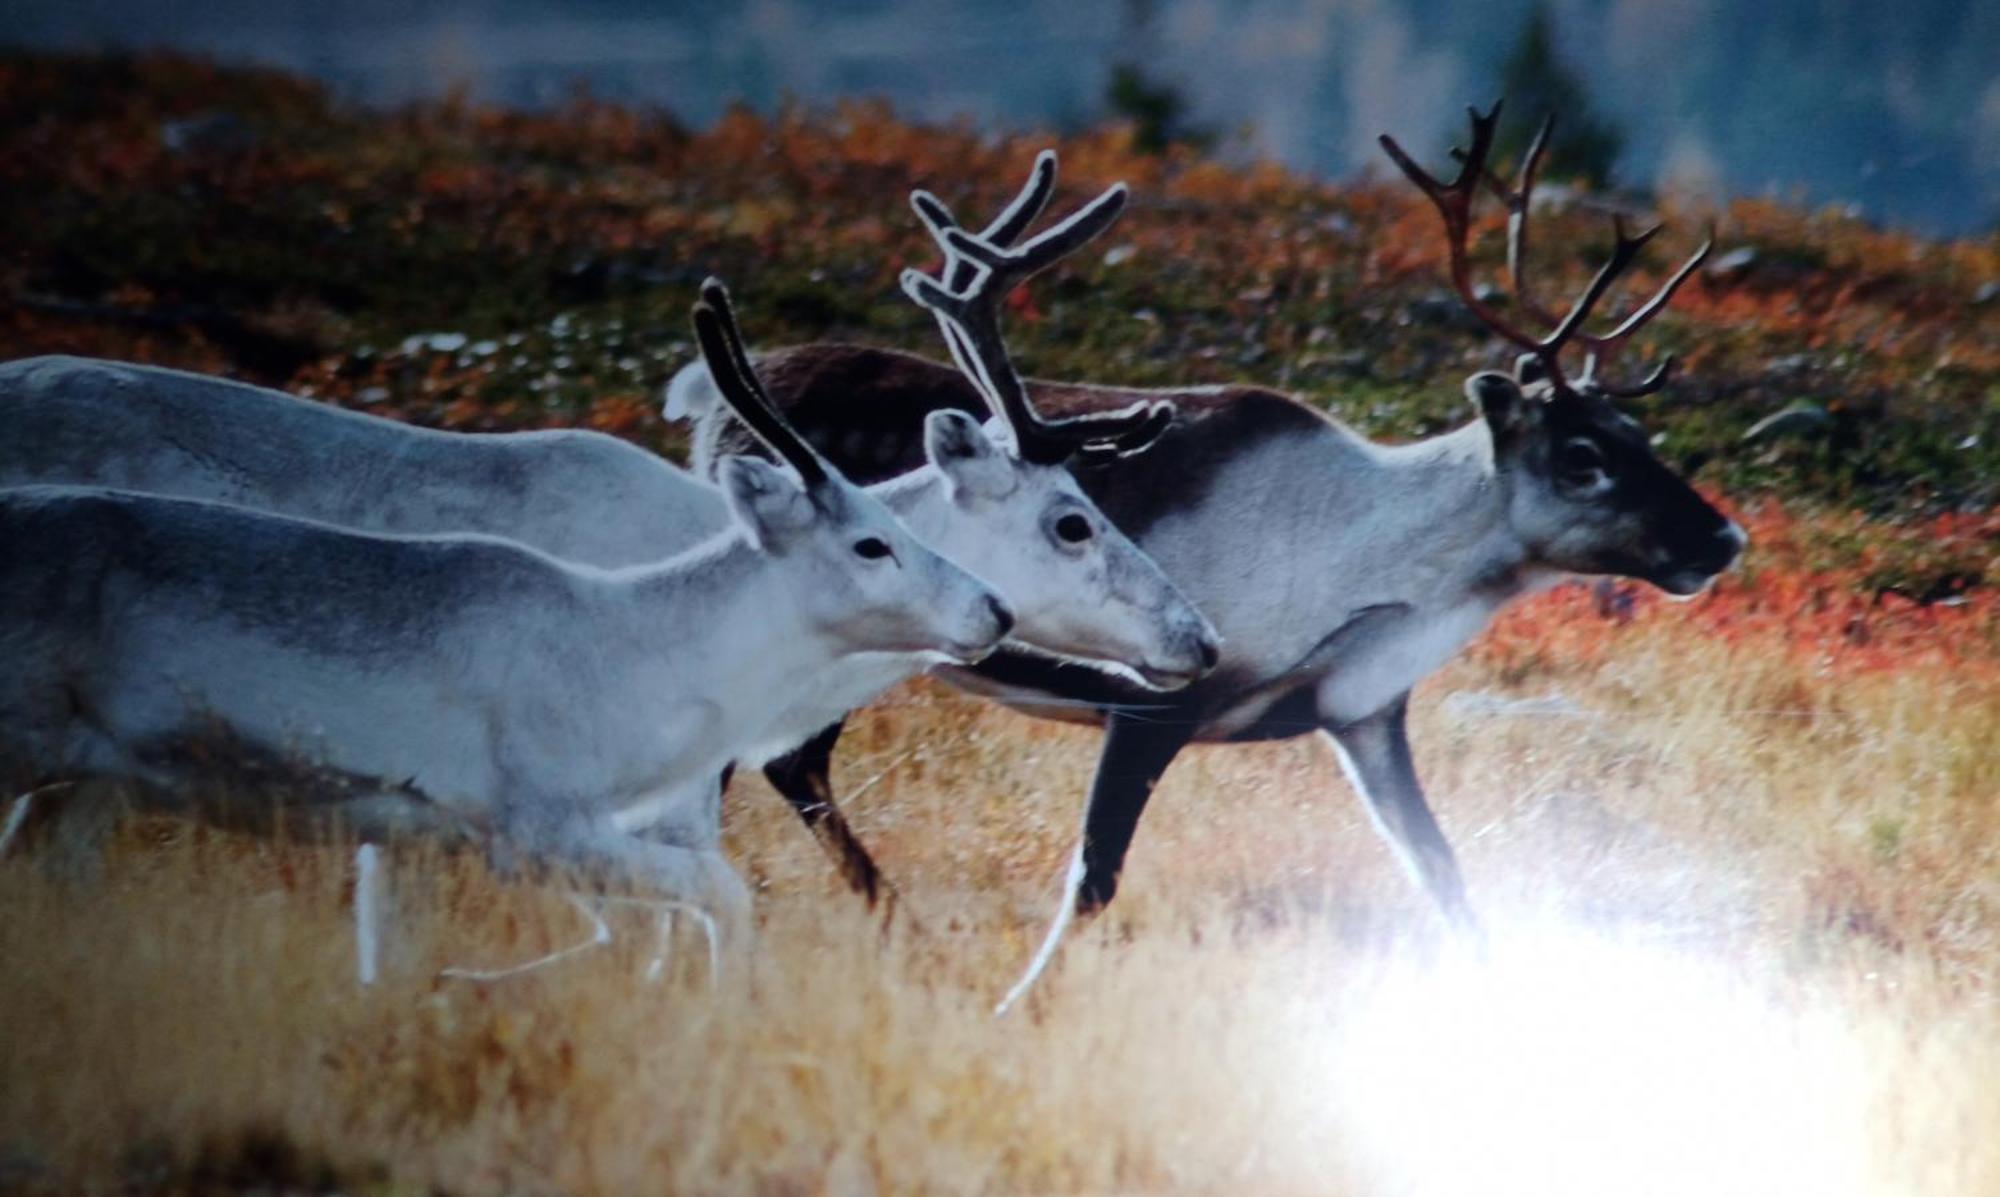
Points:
(691, 393)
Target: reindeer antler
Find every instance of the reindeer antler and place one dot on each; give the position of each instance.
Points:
(729, 366)
(1454, 203)
(970, 317)
(1518, 200)
(1004, 230)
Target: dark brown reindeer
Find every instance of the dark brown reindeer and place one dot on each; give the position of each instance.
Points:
(1339, 571)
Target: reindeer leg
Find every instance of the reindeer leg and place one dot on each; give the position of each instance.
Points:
(374, 820)
(804, 777)
(651, 869)
(1137, 751)
(368, 895)
(66, 825)
(1375, 752)
(648, 873)
(692, 875)
(22, 813)
(600, 935)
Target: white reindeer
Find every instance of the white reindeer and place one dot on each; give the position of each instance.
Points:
(1082, 592)
(796, 759)
(1339, 571)
(456, 684)
(583, 496)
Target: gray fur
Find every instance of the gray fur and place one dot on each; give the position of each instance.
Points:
(1286, 527)
(441, 682)
(580, 496)
(80, 421)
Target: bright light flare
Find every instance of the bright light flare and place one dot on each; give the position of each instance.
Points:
(1565, 1063)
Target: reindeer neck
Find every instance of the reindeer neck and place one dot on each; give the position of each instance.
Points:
(722, 604)
(1456, 516)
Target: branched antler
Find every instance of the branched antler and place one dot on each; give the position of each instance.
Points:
(729, 366)
(969, 315)
(1004, 230)
(1454, 203)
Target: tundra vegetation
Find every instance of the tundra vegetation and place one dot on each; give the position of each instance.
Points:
(1737, 855)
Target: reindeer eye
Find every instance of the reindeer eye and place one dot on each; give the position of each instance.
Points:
(873, 548)
(1073, 528)
(1580, 464)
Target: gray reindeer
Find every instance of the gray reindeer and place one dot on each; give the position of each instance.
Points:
(458, 685)
(1081, 590)
(1339, 571)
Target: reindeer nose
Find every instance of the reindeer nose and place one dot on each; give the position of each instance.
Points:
(1209, 651)
(1003, 619)
(1729, 545)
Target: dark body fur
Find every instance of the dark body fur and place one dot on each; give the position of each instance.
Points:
(862, 407)
(1338, 571)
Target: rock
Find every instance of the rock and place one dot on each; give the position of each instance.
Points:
(1791, 365)
(585, 280)
(1735, 264)
(1355, 363)
(1441, 309)
(444, 342)
(1434, 308)
(357, 363)
(1801, 420)
(214, 132)
(1988, 294)
(592, 279)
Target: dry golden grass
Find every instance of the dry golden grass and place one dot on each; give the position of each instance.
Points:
(1746, 938)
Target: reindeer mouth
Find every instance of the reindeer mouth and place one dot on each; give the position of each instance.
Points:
(1168, 679)
(969, 652)
(1686, 583)
(1688, 579)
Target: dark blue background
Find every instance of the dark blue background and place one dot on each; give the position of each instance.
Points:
(1892, 106)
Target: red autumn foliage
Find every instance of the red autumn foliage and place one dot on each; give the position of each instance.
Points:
(1788, 599)
(310, 245)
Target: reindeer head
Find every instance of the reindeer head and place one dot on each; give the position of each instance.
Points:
(1585, 492)
(1082, 588)
(858, 575)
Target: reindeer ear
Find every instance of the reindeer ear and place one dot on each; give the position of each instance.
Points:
(769, 504)
(1530, 369)
(1500, 402)
(972, 465)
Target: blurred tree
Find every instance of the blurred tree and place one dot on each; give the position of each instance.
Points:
(1157, 109)
(1535, 82)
